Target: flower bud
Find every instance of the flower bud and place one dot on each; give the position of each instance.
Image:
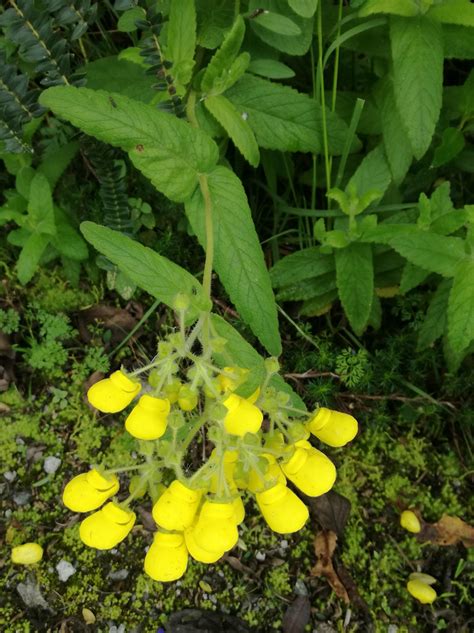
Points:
(181, 302)
(167, 558)
(187, 399)
(89, 491)
(176, 507)
(148, 418)
(216, 529)
(332, 427)
(282, 509)
(108, 527)
(242, 416)
(311, 471)
(172, 390)
(27, 554)
(113, 394)
(410, 521)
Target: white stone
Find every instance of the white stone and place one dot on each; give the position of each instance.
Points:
(65, 570)
(51, 464)
(10, 475)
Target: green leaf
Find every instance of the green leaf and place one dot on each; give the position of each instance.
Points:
(412, 277)
(319, 305)
(304, 8)
(121, 76)
(304, 264)
(236, 127)
(436, 317)
(214, 18)
(417, 54)
(56, 160)
(355, 283)
(452, 144)
(296, 44)
(238, 257)
(30, 256)
(40, 206)
(308, 288)
(23, 180)
(155, 274)
(375, 318)
(240, 353)
(277, 23)
(167, 150)
(271, 68)
(285, 119)
(126, 22)
(407, 8)
(395, 139)
(458, 42)
(216, 70)
(453, 12)
(373, 174)
(461, 308)
(182, 39)
(67, 240)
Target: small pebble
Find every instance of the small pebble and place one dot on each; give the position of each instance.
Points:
(121, 574)
(284, 543)
(65, 570)
(260, 556)
(51, 464)
(21, 498)
(10, 475)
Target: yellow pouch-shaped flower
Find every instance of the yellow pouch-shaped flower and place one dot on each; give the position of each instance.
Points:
(89, 491)
(177, 506)
(216, 529)
(410, 522)
(27, 554)
(421, 591)
(311, 471)
(200, 553)
(332, 427)
(282, 509)
(148, 419)
(167, 558)
(273, 474)
(113, 394)
(107, 527)
(242, 416)
(239, 510)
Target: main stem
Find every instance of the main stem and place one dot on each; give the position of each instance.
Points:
(207, 278)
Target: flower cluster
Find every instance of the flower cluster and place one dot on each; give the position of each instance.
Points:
(259, 444)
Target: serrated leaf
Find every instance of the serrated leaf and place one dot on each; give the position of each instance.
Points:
(461, 308)
(40, 206)
(169, 151)
(68, 240)
(434, 324)
(412, 277)
(375, 317)
(304, 264)
(407, 8)
(452, 144)
(453, 12)
(122, 76)
(236, 127)
(30, 256)
(317, 306)
(271, 68)
(458, 42)
(155, 274)
(277, 23)
(214, 18)
(373, 174)
(355, 283)
(308, 288)
(217, 68)
(182, 39)
(239, 352)
(297, 44)
(238, 257)
(56, 160)
(417, 54)
(304, 8)
(126, 22)
(284, 119)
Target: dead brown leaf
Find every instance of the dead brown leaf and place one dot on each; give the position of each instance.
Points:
(235, 563)
(297, 615)
(120, 321)
(324, 545)
(448, 531)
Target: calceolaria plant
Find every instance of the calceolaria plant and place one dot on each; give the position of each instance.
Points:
(259, 444)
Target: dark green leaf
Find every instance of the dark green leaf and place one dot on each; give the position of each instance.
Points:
(355, 283)
(30, 256)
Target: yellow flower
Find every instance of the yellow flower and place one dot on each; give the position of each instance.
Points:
(89, 491)
(282, 509)
(310, 470)
(148, 418)
(200, 553)
(257, 482)
(177, 506)
(113, 394)
(419, 587)
(27, 554)
(167, 558)
(242, 416)
(410, 521)
(108, 527)
(216, 529)
(332, 427)
(229, 459)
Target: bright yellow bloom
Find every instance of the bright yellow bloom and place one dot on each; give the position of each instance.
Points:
(242, 416)
(410, 521)
(282, 509)
(310, 470)
(332, 427)
(89, 491)
(167, 558)
(257, 482)
(108, 527)
(113, 394)
(421, 591)
(229, 459)
(216, 529)
(200, 553)
(239, 510)
(148, 418)
(177, 506)
(27, 554)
